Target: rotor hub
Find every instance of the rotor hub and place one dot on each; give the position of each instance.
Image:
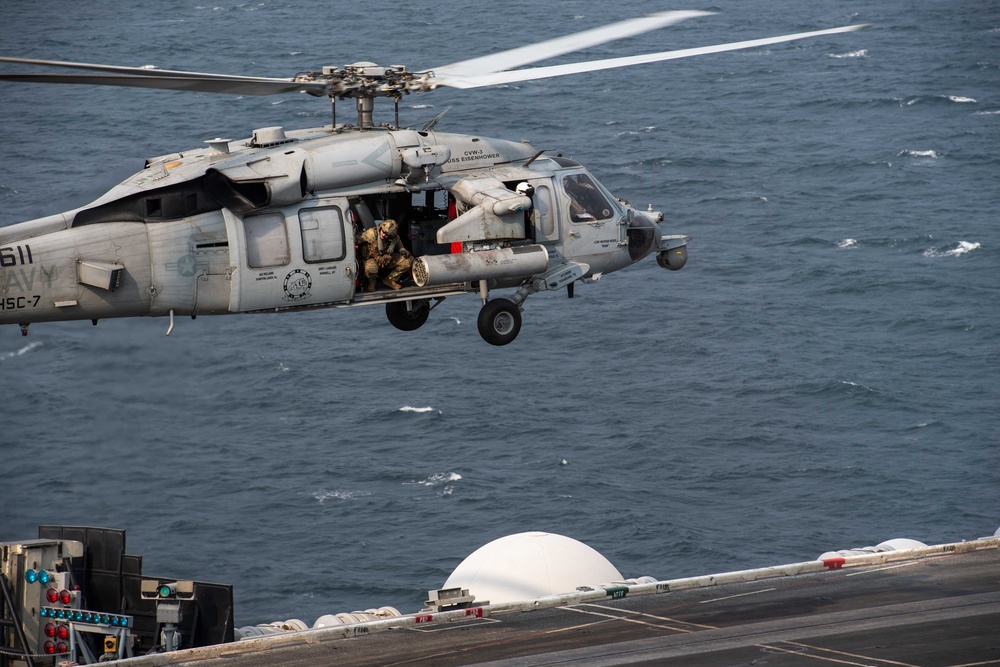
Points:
(367, 80)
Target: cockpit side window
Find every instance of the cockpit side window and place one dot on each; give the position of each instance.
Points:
(587, 202)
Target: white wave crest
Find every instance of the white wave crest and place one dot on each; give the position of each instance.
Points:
(323, 495)
(961, 100)
(856, 386)
(987, 113)
(847, 243)
(964, 247)
(928, 153)
(438, 479)
(861, 53)
(631, 133)
(24, 350)
(410, 408)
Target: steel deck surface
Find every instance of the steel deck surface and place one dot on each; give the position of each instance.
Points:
(935, 611)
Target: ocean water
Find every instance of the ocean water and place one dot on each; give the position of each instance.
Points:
(824, 373)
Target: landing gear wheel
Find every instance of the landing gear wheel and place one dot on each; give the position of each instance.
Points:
(499, 321)
(408, 320)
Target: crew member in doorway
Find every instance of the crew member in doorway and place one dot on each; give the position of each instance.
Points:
(384, 255)
(526, 189)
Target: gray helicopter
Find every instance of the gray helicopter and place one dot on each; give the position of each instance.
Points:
(273, 223)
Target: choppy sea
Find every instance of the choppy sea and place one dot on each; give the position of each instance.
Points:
(824, 373)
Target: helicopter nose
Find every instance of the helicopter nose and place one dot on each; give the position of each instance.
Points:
(641, 235)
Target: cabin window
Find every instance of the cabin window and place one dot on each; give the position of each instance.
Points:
(267, 241)
(322, 234)
(587, 203)
(545, 221)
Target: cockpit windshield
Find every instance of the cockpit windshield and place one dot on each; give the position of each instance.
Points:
(587, 201)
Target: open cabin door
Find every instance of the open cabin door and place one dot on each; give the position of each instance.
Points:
(291, 257)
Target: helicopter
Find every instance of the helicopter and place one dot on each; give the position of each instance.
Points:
(272, 223)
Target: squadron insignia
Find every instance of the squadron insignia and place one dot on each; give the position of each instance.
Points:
(298, 285)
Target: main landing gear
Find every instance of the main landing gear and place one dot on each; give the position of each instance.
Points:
(499, 321)
(408, 315)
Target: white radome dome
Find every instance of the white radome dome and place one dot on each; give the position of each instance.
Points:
(527, 566)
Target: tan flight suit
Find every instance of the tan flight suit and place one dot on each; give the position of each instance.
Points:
(383, 256)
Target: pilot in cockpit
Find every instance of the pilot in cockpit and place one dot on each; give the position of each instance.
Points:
(580, 198)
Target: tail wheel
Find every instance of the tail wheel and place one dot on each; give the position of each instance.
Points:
(408, 315)
(499, 321)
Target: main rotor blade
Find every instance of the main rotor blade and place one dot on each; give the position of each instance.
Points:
(497, 78)
(141, 77)
(532, 53)
(203, 85)
(121, 69)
